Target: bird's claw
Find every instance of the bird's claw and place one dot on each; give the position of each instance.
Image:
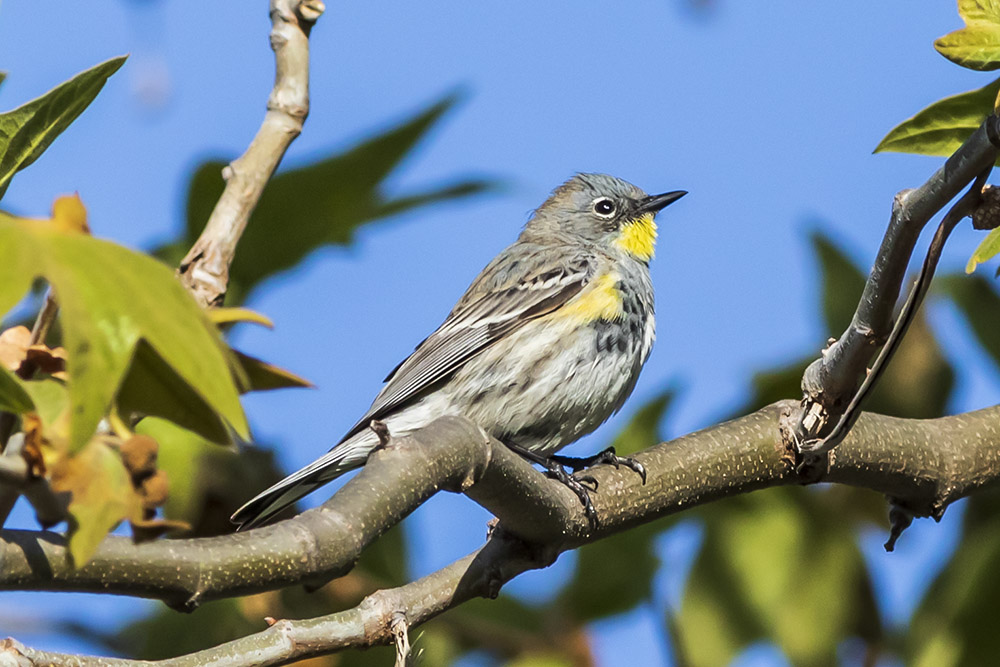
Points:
(608, 456)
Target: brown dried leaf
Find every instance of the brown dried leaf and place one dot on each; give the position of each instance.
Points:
(19, 355)
(14, 344)
(139, 454)
(145, 530)
(48, 360)
(154, 490)
(101, 496)
(34, 441)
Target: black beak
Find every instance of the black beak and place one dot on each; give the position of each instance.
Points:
(654, 203)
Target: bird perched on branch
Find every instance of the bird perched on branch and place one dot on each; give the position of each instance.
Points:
(543, 347)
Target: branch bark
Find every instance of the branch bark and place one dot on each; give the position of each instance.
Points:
(829, 383)
(923, 464)
(205, 269)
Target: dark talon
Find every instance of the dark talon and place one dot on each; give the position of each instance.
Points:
(586, 479)
(608, 456)
(632, 464)
(554, 469)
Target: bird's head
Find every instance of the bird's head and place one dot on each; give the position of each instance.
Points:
(604, 210)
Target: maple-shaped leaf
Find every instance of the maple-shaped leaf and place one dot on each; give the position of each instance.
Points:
(977, 45)
(27, 131)
(110, 300)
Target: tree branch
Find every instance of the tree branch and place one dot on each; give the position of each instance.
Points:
(945, 459)
(829, 383)
(965, 206)
(205, 269)
(923, 464)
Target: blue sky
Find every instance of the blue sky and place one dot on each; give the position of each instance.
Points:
(767, 116)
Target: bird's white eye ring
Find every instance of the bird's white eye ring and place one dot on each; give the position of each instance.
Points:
(604, 207)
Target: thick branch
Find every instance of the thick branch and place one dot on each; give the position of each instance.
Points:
(925, 464)
(205, 269)
(369, 624)
(830, 381)
(945, 459)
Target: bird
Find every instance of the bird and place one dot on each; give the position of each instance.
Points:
(544, 346)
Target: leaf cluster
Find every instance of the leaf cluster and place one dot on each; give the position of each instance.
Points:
(941, 128)
(133, 357)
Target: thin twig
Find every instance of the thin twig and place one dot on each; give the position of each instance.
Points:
(16, 479)
(830, 382)
(962, 208)
(205, 269)
(48, 512)
(45, 318)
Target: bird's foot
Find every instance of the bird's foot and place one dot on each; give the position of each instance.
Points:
(381, 432)
(608, 456)
(576, 483)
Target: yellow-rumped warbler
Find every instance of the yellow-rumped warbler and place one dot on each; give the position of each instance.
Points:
(543, 347)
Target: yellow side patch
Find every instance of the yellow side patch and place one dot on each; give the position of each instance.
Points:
(638, 237)
(600, 300)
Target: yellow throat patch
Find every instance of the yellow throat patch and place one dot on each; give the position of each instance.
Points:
(601, 300)
(638, 237)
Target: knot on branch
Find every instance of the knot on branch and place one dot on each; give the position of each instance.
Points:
(311, 10)
(987, 214)
(12, 652)
(380, 614)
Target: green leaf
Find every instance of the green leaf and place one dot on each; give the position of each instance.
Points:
(105, 313)
(101, 496)
(50, 398)
(262, 376)
(643, 430)
(980, 304)
(321, 204)
(919, 381)
(955, 622)
(27, 131)
(600, 587)
(207, 482)
(165, 634)
(942, 127)
(755, 578)
(987, 249)
(151, 387)
(13, 397)
(977, 45)
(385, 561)
(506, 622)
(541, 659)
(843, 283)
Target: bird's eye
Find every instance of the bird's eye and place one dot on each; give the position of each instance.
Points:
(604, 207)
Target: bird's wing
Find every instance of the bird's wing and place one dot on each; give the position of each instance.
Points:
(517, 287)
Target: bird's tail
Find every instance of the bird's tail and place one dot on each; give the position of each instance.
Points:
(269, 502)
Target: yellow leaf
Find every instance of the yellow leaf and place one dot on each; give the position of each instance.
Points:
(113, 302)
(101, 496)
(70, 215)
(262, 376)
(229, 315)
(987, 249)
